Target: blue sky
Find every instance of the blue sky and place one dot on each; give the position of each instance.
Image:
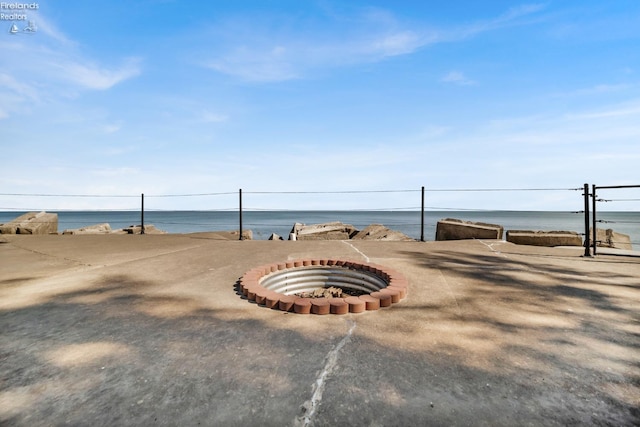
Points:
(183, 97)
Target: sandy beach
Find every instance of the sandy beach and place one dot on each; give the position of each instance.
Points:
(149, 330)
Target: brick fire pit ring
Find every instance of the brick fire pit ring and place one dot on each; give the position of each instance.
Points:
(279, 285)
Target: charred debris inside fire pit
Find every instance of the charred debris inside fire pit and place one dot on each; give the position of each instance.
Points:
(323, 286)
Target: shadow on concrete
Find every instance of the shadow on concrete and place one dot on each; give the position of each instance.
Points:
(115, 353)
(577, 330)
(96, 355)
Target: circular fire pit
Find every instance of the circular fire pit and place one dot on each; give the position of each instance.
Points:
(323, 286)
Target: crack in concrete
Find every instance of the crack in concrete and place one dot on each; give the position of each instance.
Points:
(310, 406)
(357, 250)
(490, 246)
(450, 292)
(120, 262)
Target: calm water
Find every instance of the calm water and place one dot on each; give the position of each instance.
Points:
(263, 223)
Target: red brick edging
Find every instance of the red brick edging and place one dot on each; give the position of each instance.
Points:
(396, 289)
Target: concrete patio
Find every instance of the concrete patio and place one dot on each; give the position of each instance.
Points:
(149, 330)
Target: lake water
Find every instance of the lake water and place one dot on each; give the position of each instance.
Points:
(263, 223)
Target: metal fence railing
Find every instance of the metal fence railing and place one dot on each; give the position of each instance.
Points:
(413, 211)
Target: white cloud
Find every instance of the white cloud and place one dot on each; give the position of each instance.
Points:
(115, 172)
(15, 95)
(211, 117)
(458, 78)
(46, 66)
(599, 89)
(49, 29)
(262, 54)
(520, 11)
(291, 60)
(24, 90)
(91, 76)
(399, 43)
(112, 128)
(263, 64)
(432, 132)
(511, 17)
(617, 111)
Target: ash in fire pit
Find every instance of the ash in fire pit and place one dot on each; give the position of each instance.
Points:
(331, 292)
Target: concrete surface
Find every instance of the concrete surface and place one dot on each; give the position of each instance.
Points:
(148, 330)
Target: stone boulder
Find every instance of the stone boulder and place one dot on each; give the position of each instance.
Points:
(544, 238)
(148, 229)
(457, 229)
(380, 232)
(246, 234)
(32, 223)
(104, 228)
(611, 239)
(275, 236)
(327, 231)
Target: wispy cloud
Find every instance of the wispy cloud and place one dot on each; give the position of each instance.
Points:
(398, 43)
(518, 12)
(618, 111)
(291, 59)
(211, 117)
(259, 53)
(15, 96)
(509, 18)
(92, 76)
(257, 64)
(49, 29)
(112, 128)
(9, 83)
(458, 78)
(599, 89)
(50, 65)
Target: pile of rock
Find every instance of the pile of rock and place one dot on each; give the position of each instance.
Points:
(380, 232)
(339, 231)
(235, 234)
(103, 228)
(32, 223)
(148, 229)
(611, 239)
(326, 231)
(544, 238)
(456, 229)
(47, 223)
(330, 292)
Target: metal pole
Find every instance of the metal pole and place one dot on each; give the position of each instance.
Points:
(422, 218)
(587, 242)
(142, 216)
(240, 195)
(595, 233)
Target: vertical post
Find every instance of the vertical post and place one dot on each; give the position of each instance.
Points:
(587, 240)
(142, 215)
(240, 210)
(595, 234)
(422, 217)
